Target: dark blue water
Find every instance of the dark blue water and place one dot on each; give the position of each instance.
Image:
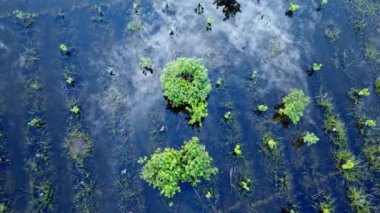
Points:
(123, 110)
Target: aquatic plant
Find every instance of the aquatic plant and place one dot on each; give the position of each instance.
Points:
(326, 206)
(371, 53)
(377, 85)
(78, 145)
(46, 195)
(36, 122)
(3, 208)
(324, 2)
(372, 153)
(253, 75)
(146, 64)
(370, 123)
(227, 115)
(293, 6)
(359, 25)
(332, 124)
(363, 92)
(208, 195)
(245, 184)
(219, 82)
(27, 18)
(294, 104)
(262, 108)
(347, 165)
(75, 109)
(332, 33)
(198, 111)
(64, 49)
(186, 84)
(69, 80)
(317, 67)
(358, 200)
(134, 26)
(166, 169)
(309, 138)
(238, 152)
(270, 145)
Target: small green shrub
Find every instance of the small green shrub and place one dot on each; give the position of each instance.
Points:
(370, 123)
(64, 49)
(36, 122)
(238, 152)
(145, 63)
(75, 109)
(317, 67)
(363, 92)
(186, 84)
(262, 108)
(293, 6)
(245, 185)
(227, 115)
(294, 104)
(69, 80)
(309, 138)
(166, 169)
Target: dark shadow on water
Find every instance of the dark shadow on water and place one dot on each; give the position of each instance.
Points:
(230, 7)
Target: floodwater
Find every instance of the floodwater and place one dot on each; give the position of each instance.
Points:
(124, 116)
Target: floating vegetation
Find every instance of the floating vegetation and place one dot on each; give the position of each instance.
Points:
(377, 85)
(347, 165)
(166, 169)
(227, 115)
(26, 17)
(270, 146)
(357, 94)
(238, 152)
(358, 200)
(292, 8)
(326, 206)
(36, 122)
(186, 84)
(64, 49)
(246, 185)
(371, 53)
(69, 80)
(309, 138)
(372, 153)
(146, 65)
(262, 108)
(292, 106)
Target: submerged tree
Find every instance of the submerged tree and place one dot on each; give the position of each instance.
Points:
(167, 168)
(186, 85)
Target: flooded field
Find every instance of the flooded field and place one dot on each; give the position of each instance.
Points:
(190, 106)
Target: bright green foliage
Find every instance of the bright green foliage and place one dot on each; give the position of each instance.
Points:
(244, 185)
(238, 151)
(64, 49)
(69, 80)
(370, 123)
(208, 195)
(36, 122)
(294, 104)
(75, 109)
(317, 67)
(293, 6)
(186, 84)
(262, 108)
(198, 111)
(145, 63)
(347, 165)
(167, 168)
(364, 92)
(310, 138)
(324, 2)
(227, 115)
(358, 200)
(271, 143)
